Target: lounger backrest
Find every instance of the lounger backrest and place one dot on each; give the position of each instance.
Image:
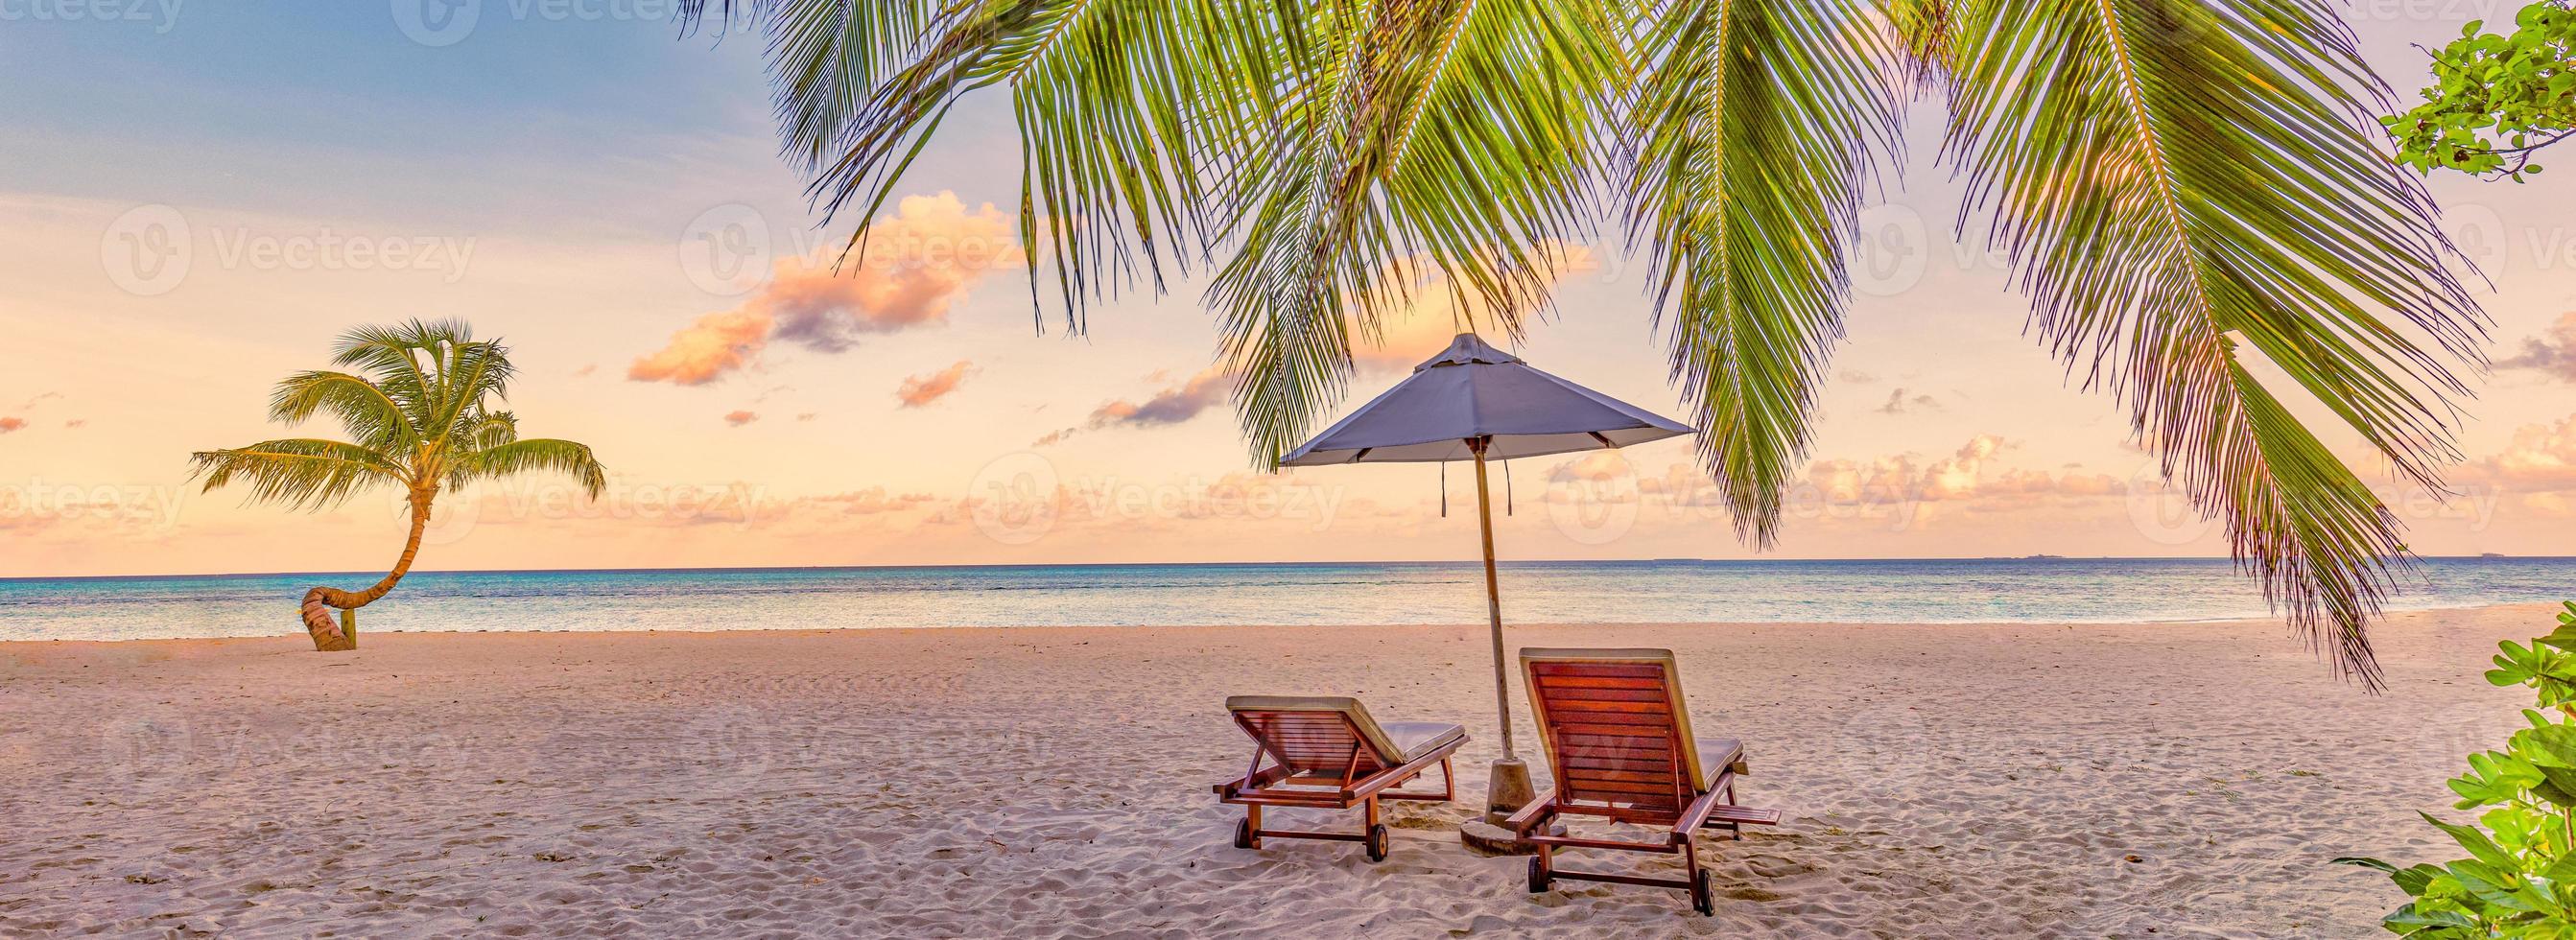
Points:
(1315, 733)
(1614, 726)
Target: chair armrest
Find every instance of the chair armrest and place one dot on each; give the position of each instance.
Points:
(1362, 788)
(1694, 817)
(1533, 815)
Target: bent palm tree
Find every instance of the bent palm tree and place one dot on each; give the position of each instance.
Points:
(2185, 188)
(418, 412)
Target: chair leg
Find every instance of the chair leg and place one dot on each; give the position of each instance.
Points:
(1702, 900)
(1375, 833)
(1734, 831)
(1250, 835)
(1448, 782)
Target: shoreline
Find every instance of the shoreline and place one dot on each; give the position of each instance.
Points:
(1954, 780)
(1422, 562)
(2543, 608)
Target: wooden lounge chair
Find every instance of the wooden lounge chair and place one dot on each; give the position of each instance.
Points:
(1327, 753)
(1616, 732)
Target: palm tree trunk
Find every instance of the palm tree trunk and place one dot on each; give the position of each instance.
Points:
(328, 637)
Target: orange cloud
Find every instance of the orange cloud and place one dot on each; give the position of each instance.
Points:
(740, 418)
(717, 344)
(2541, 457)
(1899, 403)
(2553, 352)
(920, 390)
(919, 260)
(1170, 406)
(872, 501)
(8, 425)
(1968, 475)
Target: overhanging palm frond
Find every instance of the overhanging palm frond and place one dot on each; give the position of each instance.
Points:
(1752, 136)
(1117, 102)
(535, 454)
(364, 410)
(1448, 135)
(2177, 181)
(826, 57)
(298, 473)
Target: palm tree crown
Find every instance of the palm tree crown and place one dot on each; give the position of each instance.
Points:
(418, 414)
(2186, 189)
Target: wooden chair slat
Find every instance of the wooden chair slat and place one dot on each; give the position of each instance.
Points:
(1606, 693)
(1600, 681)
(1601, 670)
(1574, 733)
(1565, 705)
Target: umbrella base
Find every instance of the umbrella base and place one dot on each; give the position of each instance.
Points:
(1491, 839)
(1507, 790)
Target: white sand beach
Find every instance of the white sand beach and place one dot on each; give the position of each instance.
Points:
(1939, 781)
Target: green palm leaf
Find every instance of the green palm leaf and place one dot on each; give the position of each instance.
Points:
(298, 473)
(1753, 126)
(1454, 137)
(2180, 182)
(537, 455)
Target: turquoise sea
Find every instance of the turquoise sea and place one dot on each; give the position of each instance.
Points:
(1929, 591)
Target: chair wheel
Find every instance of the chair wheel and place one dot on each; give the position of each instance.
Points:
(1377, 842)
(1703, 900)
(1538, 877)
(1243, 833)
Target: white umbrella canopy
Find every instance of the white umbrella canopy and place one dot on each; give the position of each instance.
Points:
(1472, 390)
(1475, 402)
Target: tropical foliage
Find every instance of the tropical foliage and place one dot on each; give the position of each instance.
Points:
(2520, 877)
(2205, 226)
(419, 413)
(2496, 99)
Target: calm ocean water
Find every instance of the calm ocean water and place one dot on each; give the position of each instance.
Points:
(2036, 590)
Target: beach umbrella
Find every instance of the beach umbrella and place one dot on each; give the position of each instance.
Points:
(1473, 402)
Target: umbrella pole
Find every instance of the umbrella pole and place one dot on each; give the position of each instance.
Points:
(1508, 788)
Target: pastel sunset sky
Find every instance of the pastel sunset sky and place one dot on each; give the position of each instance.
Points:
(195, 200)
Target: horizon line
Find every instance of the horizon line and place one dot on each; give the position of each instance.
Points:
(720, 569)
